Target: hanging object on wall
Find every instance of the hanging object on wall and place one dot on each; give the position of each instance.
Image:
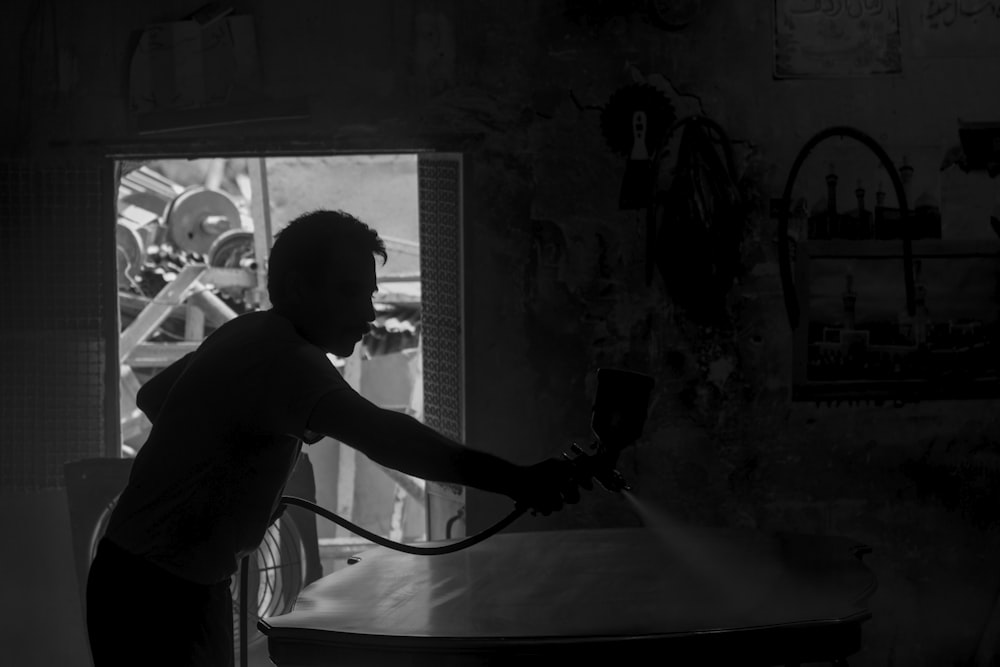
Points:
(698, 221)
(634, 122)
(815, 39)
(980, 146)
(861, 330)
(201, 71)
(792, 305)
(672, 14)
(953, 29)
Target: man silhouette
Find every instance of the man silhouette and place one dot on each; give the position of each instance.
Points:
(229, 421)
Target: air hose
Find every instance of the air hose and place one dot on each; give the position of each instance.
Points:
(368, 535)
(784, 260)
(399, 546)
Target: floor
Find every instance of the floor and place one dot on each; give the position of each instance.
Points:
(257, 654)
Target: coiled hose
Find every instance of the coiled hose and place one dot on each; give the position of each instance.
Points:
(784, 260)
(659, 155)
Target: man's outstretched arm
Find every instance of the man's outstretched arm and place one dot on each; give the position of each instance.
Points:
(398, 441)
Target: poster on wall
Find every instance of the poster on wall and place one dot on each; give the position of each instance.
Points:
(860, 341)
(836, 38)
(955, 28)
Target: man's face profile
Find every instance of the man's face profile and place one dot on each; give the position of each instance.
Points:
(334, 307)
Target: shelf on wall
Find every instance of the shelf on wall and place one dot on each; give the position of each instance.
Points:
(876, 248)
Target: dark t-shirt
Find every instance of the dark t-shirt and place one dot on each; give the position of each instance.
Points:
(205, 484)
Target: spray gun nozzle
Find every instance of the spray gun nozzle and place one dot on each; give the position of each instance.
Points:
(612, 480)
(598, 466)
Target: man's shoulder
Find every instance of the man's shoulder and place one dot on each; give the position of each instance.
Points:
(250, 339)
(260, 323)
(270, 339)
(251, 319)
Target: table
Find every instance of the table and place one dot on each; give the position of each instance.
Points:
(706, 596)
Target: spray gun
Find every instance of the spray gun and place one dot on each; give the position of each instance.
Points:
(617, 419)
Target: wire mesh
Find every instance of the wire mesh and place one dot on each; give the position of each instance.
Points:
(277, 575)
(56, 273)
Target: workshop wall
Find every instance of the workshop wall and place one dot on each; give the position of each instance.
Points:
(724, 445)
(556, 272)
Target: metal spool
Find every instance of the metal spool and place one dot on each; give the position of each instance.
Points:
(131, 253)
(197, 217)
(233, 249)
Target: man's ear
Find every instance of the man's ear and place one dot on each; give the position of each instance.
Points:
(294, 287)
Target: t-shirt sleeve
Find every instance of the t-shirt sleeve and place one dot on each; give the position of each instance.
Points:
(294, 380)
(311, 437)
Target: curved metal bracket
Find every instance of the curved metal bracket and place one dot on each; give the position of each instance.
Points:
(784, 260)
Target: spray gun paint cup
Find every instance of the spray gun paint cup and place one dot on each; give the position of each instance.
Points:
(620, 406)
(617, 419)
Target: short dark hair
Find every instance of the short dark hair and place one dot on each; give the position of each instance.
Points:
(305, 243)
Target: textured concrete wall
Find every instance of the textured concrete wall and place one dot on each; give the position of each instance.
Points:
(724, 444)
(43, 620)
(556, 276)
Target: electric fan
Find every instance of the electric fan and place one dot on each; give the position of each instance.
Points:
(277, 572)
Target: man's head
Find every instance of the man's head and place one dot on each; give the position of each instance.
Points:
(321, 276)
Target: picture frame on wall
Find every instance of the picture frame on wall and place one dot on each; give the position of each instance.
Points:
(836, 38)
(858, 341)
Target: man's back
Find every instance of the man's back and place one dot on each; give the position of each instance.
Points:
(224, 440)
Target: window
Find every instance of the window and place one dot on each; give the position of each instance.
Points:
(201, 221)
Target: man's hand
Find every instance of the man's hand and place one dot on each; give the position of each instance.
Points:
(545, 487)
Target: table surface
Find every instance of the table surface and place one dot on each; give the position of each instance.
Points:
(584, 586)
